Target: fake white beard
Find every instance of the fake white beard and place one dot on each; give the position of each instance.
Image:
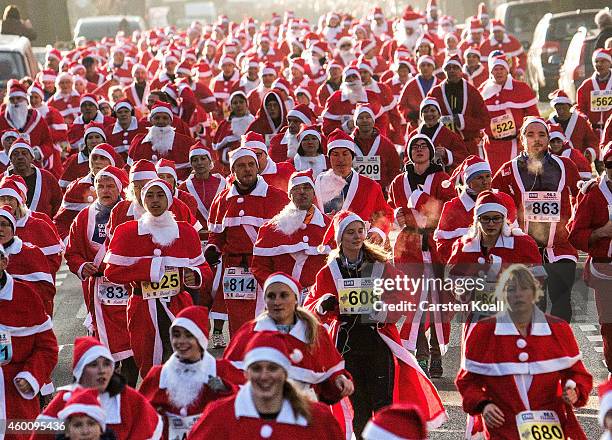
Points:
(184, 381)
(240, 124)
(355, 91)
(18, 113)
(289, 219)
(347, 56)
(292, 144)
(162, 139)
(535, 166)
(330, 186)
(377, 29)
(163, 229)
(406, 40)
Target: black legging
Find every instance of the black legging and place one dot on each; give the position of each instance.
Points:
(373, 376)
(558, 287)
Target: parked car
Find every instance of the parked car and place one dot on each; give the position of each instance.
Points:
(16, 60)
(577, 65)
(96, 28)
(521, 17)
(551, 39)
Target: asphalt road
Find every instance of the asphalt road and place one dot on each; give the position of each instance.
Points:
(70, 314)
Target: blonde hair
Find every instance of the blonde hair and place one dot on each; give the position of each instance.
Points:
(522, 276)
(371, 252)
(299, 402)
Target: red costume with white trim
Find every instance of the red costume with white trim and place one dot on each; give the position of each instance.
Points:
(583, 101)
(339, 108)
(510, 46)
(121, 139)
(455, 149)
(36, 130)
(410, 101)
(579, 133)
(204, 192)
(69, 106)
(379, 145)
(47, 196)
(76, 130)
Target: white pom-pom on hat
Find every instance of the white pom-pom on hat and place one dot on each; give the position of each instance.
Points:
(296, 356)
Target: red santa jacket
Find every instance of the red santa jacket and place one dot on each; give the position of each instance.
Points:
(128, 414)
(510, 46)
(324, 92)
(67, 105)
(255, 96)
(75, 167)
(478, 76)
(508, 180)
(387, 103)
(473, 117)
(379, 145)
(36, 129)
(227, 138)
(121, 139)
(606, 136)
(277, 174)
(583, 100)
(76, 130)
(79, 195)
(295, 253)
(47, 196)
(397, 129)
(278, 150)
(140, 104)
(582, 163)
(236, 417)
(579, 133)
(204, 192)
(59, 133)
(204, 96)
(455, 149)
(410, 101)
(320, 366)
(548, 355)
(34, 349)
(339, 109)
(222, 88)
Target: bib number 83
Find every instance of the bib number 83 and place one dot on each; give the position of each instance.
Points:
(115, 292)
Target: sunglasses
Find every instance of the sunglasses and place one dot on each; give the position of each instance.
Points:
(485, 220)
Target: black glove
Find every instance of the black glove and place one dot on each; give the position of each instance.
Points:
(329, 304)
(212, 256)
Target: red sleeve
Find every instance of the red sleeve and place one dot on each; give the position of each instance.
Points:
(580, 227)
(55, 196)
(479, 118)
(149, 388)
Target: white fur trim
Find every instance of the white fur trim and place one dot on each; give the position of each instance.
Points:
(487, 207)
(268, 354)
(281, 278)
(193, 328)
(89, 356)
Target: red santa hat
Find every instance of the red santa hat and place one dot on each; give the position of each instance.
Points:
(10, 188)
(17, 90)
(488, 201)
(410, 17)
(161, 107)
(605, 400)
(268, 69)
(497, 25)
(319, 47)
(498, 60)
(143, 170)
(298, 63)
(36, 88)
(117, 174)
(303, 91)
(62, 76)
(86, 350)
(471, 51)
(21, 143)
(300, 178)
(429, 101)
(165, 166)
(475, 25)
(559, 97)
(425, 59)
(171, 90)
(608, 154)
(136, 67)
(282, 84)
(89, 97)
(604, 54)
(53, 53)
(363, 64)
(185, 67)
(377, 12)
(482, 10)
(84, 402)
(363, 108)
(241, 152)
(556, 132)
(48, 75)
(160, 184)
(337, 226)
(123, 103)
(7, 212)
(528, 120)
(452, 60)
(202, 70)
(281, 277)
(9, 133)
(170, 58)
(198, 149)
(425, 39)
(105, 150)
(94, 127)
(303, 113)
(254, 141)
(194, 319)
(364, 46)
(339, 139)
(267, 346)
(348, 71)
(309, 130)
(226, 59)
(470, 167)
(400, 421)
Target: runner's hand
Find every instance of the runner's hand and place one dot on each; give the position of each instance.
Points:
(345, 386)
(493, 416)
(189, 277)
(570, 396)
(24, 386)
(89, 269)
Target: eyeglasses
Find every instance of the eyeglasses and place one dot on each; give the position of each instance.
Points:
(485, 220)
(420, 146)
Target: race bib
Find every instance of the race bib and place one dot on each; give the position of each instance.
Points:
(356, 296)
(486, 295)
(239, 283)
(503, 126)
(6, 348)
(179, 427)
(539, 425)
(111, 294)
(601, 100)
(368, 166)
(542, 206)
(448, 121)
(169, 285)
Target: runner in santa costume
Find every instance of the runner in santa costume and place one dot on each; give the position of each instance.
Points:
(340, 106)
(605, 416)
(542, 185)
(275, 174)
(81, 193)
(288, 242)
(268, 409)
(7, 138)
(202, 184)
(319, 369)
(32, 227)
(255, 97)
(590, 231)
(449, 148)
(416, 90)
(236, 215)
(221, 85)
(124, 130)
(164, 272)
(401, 421)
(77, 165)
(382, 370)
(342, 188)
(271, 116)
(332, 83)
(382, 91)
(509, 101)
(28, 122)
(43, 191)
(228, 134)
(89, 113)
(475, 72)
(560, 146)
(575, 125)
(137, 92)
(474, 175)
(398, 76)
(105, 302)
(166, 170)
(310, 153)
(535, 376)
(380, 159)
(500, 40)
(128, 414)
(285, 144)
(417, 197)
(192, 378)
(29, 349)
(162, 141)
(463, 109)
(593, 96)
(83, 416)
(66, 100)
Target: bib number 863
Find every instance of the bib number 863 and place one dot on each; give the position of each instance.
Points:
(545, 208)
